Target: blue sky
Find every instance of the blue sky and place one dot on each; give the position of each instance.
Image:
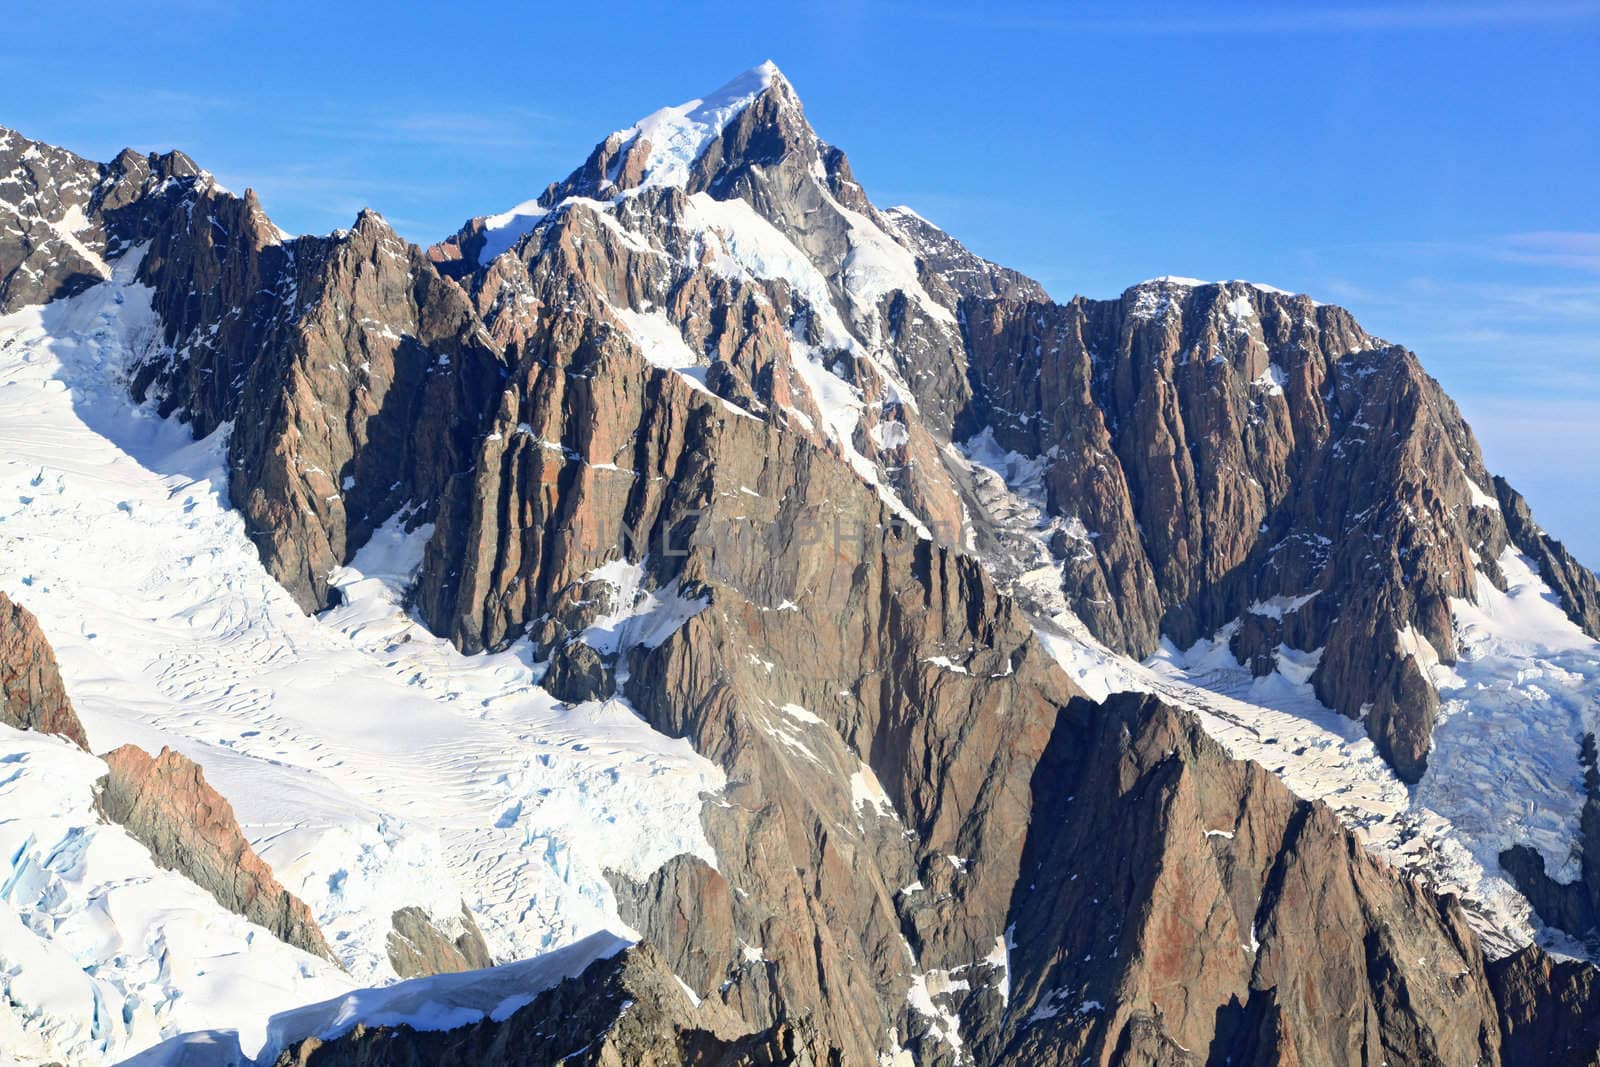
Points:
(1434, 167)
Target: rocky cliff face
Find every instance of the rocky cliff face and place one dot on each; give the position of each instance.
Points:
(1548, 1009)
(354, 379)
(31, 694)
(1574, 584)
(1211, 453)
(1226, 453)
(1178, 906)
(166, 804)
(698, 427)
(44, 244)
(352, 374)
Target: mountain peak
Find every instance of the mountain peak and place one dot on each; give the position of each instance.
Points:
(678, 135)
(751, 82)
(660, 150)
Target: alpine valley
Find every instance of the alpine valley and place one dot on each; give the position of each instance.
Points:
(698, 616)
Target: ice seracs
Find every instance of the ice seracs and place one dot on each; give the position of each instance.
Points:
(102, 952)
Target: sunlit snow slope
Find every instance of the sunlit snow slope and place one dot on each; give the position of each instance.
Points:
(369, 763)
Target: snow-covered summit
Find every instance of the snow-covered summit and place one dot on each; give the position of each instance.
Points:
(660, 149)
(679, 135)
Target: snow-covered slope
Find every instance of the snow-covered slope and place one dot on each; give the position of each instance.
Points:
(369, 763)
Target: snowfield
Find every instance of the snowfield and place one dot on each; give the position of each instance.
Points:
(369, 763)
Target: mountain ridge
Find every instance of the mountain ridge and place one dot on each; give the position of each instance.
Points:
(610, 435)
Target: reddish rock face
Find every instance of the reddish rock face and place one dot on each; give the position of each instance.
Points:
(1551, 1009)
(1175, 906)
(31, 694)
(1203, 907)
(188, 827)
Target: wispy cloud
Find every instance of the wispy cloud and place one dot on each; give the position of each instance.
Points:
(330, 192)
(1284, 19)
(1563, 249)
(1553, 304)
(1520, 437)
(517, 128)
(1511, 338)
(1556, 248)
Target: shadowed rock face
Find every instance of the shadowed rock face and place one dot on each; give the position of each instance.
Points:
(354, 379)
(354, 376)
(166, 804)
(627, 1011)
(31, 694)
(1550, 1010)
(1575, 584)
(44, 216)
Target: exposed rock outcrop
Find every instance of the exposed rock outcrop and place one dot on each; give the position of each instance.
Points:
(355, 378)
(354, 375)
(1207, 448)
(696, 441)
(1178, 906)
(627, 1011)
(31, 694)
(1550, 1010)
(946, 261)
(1218, 451)
(45, 251)
(420, 944)
(167, 805)
(1575, 585)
